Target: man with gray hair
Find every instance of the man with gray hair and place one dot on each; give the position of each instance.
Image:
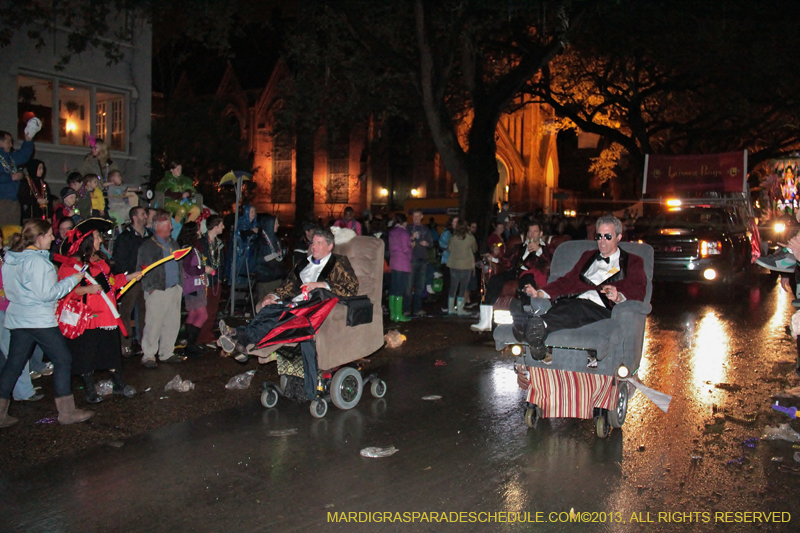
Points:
(600, 279)
(163, 290)
(322, 269)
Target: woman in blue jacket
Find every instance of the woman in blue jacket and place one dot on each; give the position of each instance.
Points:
(33, 290)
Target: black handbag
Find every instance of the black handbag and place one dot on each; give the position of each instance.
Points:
(359, 310)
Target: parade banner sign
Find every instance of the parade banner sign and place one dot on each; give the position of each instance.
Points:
(681, 174)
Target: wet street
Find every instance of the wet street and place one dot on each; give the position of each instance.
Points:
(721, 355)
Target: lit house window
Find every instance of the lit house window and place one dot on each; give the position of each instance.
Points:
(67, 114)
(73, 115)
(111, 119)
(35, 99)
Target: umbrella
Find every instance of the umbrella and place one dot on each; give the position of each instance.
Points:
(235, 177)
(299, 324)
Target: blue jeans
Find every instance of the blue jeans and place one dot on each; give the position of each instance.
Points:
(23, 389)
(20, 350)
(399, 283)
(416, 283)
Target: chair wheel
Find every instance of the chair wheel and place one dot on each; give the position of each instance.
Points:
(616, 415)
(602, 427)
(378, 388)
(319, 408)
(532, 416)
(269, 398)
(346, 388)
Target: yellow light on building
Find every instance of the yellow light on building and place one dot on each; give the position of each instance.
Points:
(71, 126)
(414, 192)
(384, 192)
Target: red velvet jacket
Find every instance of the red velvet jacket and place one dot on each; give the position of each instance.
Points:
(631, 280)
(102, 317)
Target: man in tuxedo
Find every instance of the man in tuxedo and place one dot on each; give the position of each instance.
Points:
(320, 270)
(588, 292)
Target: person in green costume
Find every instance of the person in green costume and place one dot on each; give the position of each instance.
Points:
(178, 190)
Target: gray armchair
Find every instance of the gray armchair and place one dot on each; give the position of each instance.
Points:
(612, 341)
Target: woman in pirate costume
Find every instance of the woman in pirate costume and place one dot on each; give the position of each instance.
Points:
(98, 347)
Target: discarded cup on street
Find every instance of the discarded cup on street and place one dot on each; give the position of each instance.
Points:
(432, 398)
(179, 385)
(240, 381)
(379, 452)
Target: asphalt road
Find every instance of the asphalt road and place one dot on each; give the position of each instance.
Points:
(720, 355)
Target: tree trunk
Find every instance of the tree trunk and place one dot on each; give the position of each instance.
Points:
(304, 184)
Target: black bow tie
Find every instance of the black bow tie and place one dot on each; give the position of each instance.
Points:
(315, 261)
(598, 257)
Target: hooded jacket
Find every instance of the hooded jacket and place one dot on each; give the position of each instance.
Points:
(33, 290)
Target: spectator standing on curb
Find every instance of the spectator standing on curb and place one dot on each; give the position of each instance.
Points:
(421, 241)
(462, 248)
(210, 247)
(33, 290)
(349, 221)
(400, 265)
(163, 289)
(126, 251)
(11, 162)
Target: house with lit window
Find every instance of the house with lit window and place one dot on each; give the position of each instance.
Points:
(378, 165)
(86, 98)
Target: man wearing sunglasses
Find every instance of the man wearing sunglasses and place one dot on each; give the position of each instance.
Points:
(587, 293)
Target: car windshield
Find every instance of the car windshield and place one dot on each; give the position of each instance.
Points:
(688, 219)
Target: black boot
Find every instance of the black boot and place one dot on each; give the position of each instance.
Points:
(192, 349)
(119, 385)
(90, 393)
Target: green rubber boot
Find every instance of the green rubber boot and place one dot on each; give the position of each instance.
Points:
(392, 308)
(399, 316)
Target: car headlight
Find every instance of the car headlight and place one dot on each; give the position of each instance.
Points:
(622, 371)
(516, 349)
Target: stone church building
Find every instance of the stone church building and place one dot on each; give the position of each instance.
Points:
(379, 166)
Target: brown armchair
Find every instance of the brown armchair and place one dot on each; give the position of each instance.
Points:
(338, 344)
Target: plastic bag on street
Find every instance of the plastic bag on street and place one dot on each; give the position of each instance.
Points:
(177, 384)
(378, 452)
(782, 432)
(105, 387)
(394, 339)
(240, 381)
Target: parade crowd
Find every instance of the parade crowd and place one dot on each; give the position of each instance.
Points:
(62, 312)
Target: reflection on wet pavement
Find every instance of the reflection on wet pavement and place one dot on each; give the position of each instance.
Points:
(281, 470)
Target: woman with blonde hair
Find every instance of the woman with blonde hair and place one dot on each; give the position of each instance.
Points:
(33, 290)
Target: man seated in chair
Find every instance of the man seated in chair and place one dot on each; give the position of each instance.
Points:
(320, 270)
(587, 293)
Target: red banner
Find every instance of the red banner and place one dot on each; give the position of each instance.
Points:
(681, 174)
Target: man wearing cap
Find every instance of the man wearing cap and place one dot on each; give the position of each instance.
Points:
(163, 290)
(11, 162)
